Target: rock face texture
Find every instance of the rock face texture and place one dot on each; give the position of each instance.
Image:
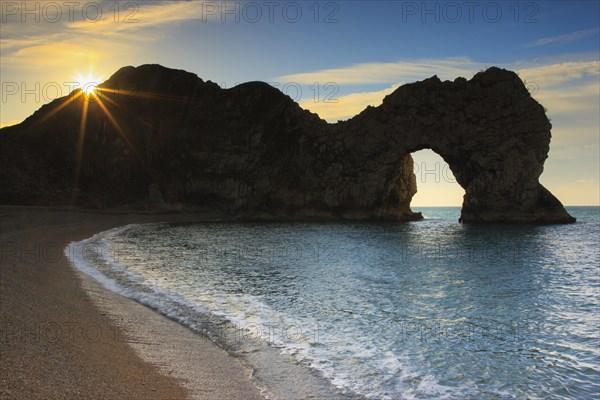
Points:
(163, 136)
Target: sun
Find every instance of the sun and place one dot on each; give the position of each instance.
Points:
(89, 89)
(88, 84)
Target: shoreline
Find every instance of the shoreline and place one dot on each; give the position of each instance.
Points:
(64, 334)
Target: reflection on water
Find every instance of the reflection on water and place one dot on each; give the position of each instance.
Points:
(384, 310)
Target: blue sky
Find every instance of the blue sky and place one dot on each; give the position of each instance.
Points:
(354, 52)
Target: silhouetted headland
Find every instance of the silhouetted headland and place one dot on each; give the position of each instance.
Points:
(164, 138)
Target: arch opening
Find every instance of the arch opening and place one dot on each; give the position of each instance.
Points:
(436, 185)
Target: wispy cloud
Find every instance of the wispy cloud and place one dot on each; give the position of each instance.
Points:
(572, 151)
(67, 41)
(567, 87)
(388, 72)
(556, 73)
(563, 87)
(349, 105)
(63, 53)
(13, 42)
(567, 101)
(566, 38)
(391, 73)
(149, 15)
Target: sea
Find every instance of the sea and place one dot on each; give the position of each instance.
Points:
(430, 309)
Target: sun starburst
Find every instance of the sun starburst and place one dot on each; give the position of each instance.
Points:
(88, 84)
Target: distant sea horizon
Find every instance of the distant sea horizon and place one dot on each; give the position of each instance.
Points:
(459, 206)
(426, 309)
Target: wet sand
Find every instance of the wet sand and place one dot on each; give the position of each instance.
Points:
(63, 335)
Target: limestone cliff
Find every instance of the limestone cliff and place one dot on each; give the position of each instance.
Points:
(158, 134)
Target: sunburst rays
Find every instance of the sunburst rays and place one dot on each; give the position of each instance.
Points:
(94, 97)
(71, 98)
(140, 94)
(80, 140)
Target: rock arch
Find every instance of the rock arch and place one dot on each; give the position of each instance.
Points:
(253, 152)
(491, 132)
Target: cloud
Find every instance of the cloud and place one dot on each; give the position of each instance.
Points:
(148, 15)
(566, 88)
(552, 74)
(59, 54)
(349, 105)
(73, 45)
(567, 38)
(388, 72)
(570, 100)
(17, 43)
(574, 151)
(110, 35)
(444, 68)
(563, 87)
(585, 181)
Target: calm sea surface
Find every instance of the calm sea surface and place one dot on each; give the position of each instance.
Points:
(429, 309)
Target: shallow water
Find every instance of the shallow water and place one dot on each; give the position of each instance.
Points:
(429, 309)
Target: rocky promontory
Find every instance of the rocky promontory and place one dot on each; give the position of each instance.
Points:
(160, 136)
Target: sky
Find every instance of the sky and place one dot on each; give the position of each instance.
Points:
(333, 57)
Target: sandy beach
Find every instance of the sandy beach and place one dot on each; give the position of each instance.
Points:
(62, 335)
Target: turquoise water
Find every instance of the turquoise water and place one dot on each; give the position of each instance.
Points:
(429, 309)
